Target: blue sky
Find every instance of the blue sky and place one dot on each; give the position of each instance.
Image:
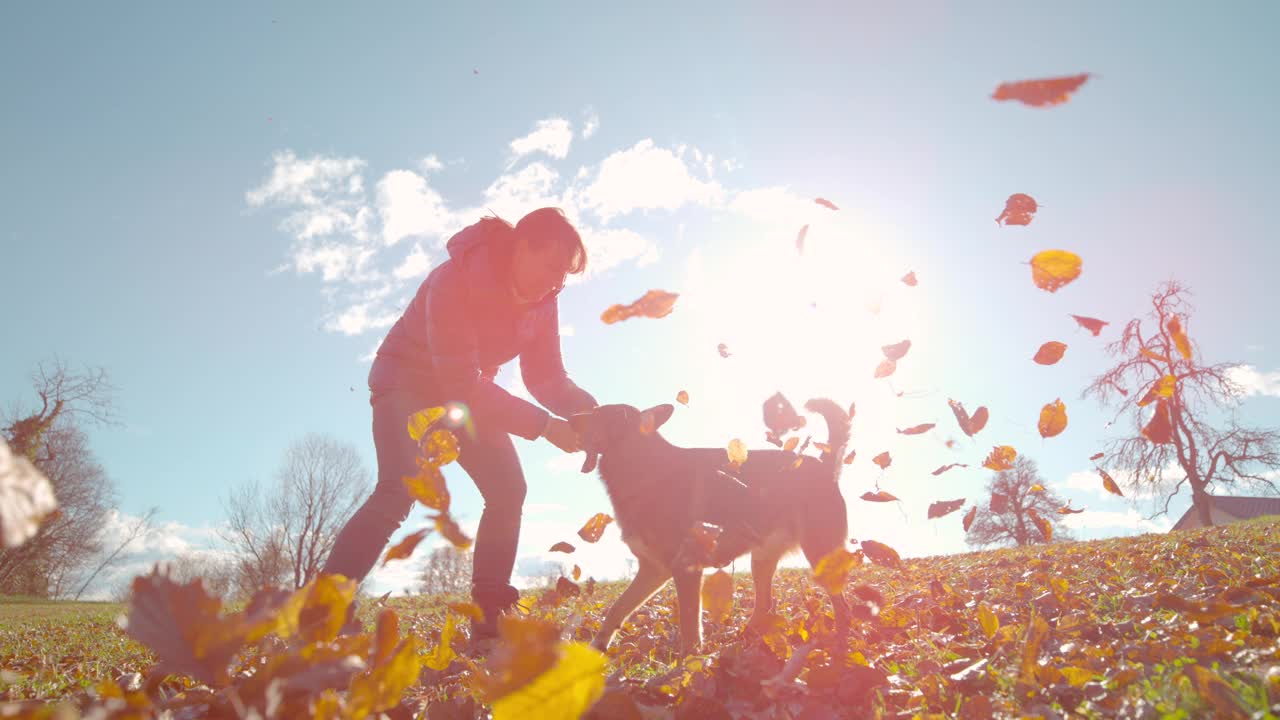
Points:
(224, 206)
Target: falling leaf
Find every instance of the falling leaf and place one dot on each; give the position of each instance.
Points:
(999, 503)
(594, 528)
(791, 444)
(1163, 388)
(442, 654)
(428, 487)
(1096, 456)
(881, 554)
(1036, 488)
(446, 526)
(878, 496)
(1068, 510)
(1040, 93)
(405, 547)
(969, 517)
(717, 595)
(26, 498)
(567, 690)
(947, 467)
(885, 368)
(917, 429)
(848, 459)
(853, 409)
(883, 460)
(654, 304)
(1109, 483)
(1018, 210)
(1053, 269)
(944, 507)
(1053, 419)
(800, 239)
(724, 350)
(832, 571)
(682, 397)
(737, 452)
(1179, 336)
(1093, 325)
(1159, 429)
(987, 618)
(823, 448)
(562, 546)
(896, 351)
(440, 448)
(1050, 353)
(577, 573)
(1046, 530)
(826, 203)
(422, 420)
(910, 279)
(1001, 458)
(468, 610)
(705, 537)
(970, 425)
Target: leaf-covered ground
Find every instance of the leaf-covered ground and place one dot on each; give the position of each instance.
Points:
(1177, 625)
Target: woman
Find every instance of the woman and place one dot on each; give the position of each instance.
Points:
(493, 299)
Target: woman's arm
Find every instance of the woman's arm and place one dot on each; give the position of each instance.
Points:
(542, 369)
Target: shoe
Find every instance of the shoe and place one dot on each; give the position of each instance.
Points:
(493, 603)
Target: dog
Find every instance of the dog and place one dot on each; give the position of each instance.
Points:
(660, 492)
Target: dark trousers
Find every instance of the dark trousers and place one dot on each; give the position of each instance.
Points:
(488, 456)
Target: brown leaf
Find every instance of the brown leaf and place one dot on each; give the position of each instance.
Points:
(1109, 483)
(1018, 210)
(1040, 93)
(1159, 429)
(832, 571)
(881, 554)
(724, 350)
(910, 279)
(885, 368)
(1046, 530)
(577, 573)
(1217, 693)
(1053, 419)
(969, 517)
(1093, 325)
(947, 467)
(594, 528)
(944, 507)
(826, 203)
(878, 496)
(1096, 456)
(562, 546)
(848, 459)
(446, 526)
(1050, 353)
(970, 425)
(853, 409)
(917, 429)
(654, 304)
(896, 351)
(800, 239)
(883, 460)
(405, 547)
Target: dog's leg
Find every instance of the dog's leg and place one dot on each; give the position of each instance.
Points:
(764, 561)
(650, 576)
(689, 597)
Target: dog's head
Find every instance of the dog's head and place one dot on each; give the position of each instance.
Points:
(601, 429)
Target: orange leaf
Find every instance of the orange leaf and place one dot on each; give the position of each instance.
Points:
(1053, 269)
(1001, 458)
(1160, 428)
(717, 595)
(1040, 93)
(942, 508)
(468, 609)
(945, 468)
(594, 528)
(562, 546)
(440, 448)
(654, 304)
(577, 572)
(848, 459)
(1036, 488)
(883, 460)
(405, 547)
(1109, 483)
(1068, 510)
(428, 488)
(1180, 339)
(1046, 530)
(446, 526)
(1050, 353)
(896, 351)
(1162, 388)
(917, 429)
(1153, 355)
(1093, 325)
(791, 444)
(826, 203)
(970, 425)
(885, 368)
(969, 517)
(832, 571)
(910, 279)
(800, 239)
(878, 496)
(881, 554)
(682, 397)
(1053, 419)
(1018, 210)
(1096, 456)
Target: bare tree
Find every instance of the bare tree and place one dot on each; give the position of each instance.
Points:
(139, 528)
(447, 572)
(216, 573)
(1181, 413)
(1016, 495)
(284, 534)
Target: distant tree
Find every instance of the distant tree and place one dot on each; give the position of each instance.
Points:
(1003, 518)
(1190, 437)
(216, 573)
(447, 572)
(112, 555)
(284, 533)
(52, 438)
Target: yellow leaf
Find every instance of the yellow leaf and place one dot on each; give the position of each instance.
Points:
(987, 617)
(446, 526)
(1153, 355)
(737, 451)
(567, 690)
(381, 687)
(1001, 458)
(467, 609)
(405, 547)
(790, 444)
(682, 397)
(423, 419)
(1053, 269)
(443, 654)
(1180, 339)
(1077, 676)
(1109, 483)
(440, 448)
(1053, 419)
(717, 595)
(1163, 388)
(325, 609)
(428, 488)
(832, 571)
(1037, 631)
(1046, 530)
(594, 529)
(1036, 488)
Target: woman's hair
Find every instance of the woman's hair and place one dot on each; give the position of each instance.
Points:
(549, 224)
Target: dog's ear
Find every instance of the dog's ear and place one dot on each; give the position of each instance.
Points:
(656, 416)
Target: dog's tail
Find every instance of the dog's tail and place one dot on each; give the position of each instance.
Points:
(838, 431)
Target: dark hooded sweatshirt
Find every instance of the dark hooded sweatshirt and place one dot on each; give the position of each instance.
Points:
(464, 323)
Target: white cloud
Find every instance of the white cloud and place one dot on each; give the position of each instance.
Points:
(1255, 382)
(307, 182)
(409, 207)
(773, 205)
(591, 124)
(646, 177)
(1129, 519)
(164, 541)
(512, 195)
(430, 164)
(551, 136)
(607, 249)
(415, 265)
(358, 319)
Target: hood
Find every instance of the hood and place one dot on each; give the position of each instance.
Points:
(487, 230)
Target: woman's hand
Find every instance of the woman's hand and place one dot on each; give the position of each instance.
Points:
(561, 434)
